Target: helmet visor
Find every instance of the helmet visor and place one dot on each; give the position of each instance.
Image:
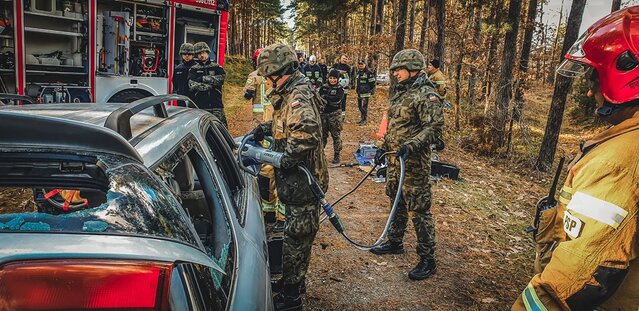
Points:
(571, 69)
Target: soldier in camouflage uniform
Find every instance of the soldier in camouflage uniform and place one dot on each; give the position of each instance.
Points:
(332, 118)
(205, 82)
(297, 133)
(415, 122)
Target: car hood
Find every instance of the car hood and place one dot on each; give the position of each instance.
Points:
(32, 246)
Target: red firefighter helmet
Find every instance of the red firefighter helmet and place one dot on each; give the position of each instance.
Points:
(256, 53)
(611, 48)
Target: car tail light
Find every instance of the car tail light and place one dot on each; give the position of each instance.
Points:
(84, 284)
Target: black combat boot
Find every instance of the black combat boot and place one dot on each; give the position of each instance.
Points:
(336, 159)
(388, 247)
(424, 269)
(289, 299)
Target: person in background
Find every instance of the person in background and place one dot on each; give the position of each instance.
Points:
(181, 73)
(313, 72)
(437, 77)
(332, 93)
(365, 87)
(206, 79)
(345, 78)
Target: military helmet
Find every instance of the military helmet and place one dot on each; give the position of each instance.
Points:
(411, 59)
(186, 48)
(201, 47)
(275, 58)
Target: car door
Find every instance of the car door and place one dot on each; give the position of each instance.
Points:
(197, 184)
(253, 276)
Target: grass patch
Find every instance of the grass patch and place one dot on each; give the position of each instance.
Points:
(237, 69)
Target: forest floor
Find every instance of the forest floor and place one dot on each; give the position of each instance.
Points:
(484, 256)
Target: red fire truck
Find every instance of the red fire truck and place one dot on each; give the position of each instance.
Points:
(102, 50)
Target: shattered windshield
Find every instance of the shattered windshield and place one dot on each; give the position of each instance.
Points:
(93, 195)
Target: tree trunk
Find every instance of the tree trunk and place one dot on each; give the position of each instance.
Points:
(424, 32)
(524, 58)
(475, 54)
(458, 90)
(411, 23)
(492, 51)
(562, 87)
(504, 88)
(400, 35)
(439, 46)
(394, 16)
(371, 30)
(379, 19)
(616, 5)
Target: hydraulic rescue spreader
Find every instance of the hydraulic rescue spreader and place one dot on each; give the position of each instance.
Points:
(268, 156)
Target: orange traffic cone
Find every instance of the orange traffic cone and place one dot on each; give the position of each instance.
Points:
(383, 125)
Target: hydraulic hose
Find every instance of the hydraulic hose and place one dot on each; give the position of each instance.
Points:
(334, 218)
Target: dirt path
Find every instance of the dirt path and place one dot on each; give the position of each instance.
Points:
(484, 258)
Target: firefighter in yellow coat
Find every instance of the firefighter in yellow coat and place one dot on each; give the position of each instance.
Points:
(256, 90)
(588, 243)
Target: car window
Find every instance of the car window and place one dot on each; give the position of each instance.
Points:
(88, 194)
(192, 179)
(227, 164)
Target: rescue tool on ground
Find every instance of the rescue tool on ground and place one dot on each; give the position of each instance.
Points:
(266, 156)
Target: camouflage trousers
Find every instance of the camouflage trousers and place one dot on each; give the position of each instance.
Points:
(302, 223)
(219, 113)
(332, 123)
(416, 200)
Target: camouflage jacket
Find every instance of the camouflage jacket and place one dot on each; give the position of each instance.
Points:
(297, 132)
(205, 82)
(415, 117)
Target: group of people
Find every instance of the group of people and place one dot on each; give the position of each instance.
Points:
(200, 78)
(302, 117)
(587, 246)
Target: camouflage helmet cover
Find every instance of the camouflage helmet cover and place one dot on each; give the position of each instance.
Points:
(411, 59)
(187, 48)
(201, 47)
(274, 58)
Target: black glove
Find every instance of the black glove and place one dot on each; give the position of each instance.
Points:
(249, 94)
(439, 145)
(379, 157)
(403, 152)
(258, 134)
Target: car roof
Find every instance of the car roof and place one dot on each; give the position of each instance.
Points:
(134, 125)
(32, 131)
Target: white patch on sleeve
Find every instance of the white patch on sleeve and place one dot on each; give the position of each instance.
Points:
(572, 225)
(597, 209)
